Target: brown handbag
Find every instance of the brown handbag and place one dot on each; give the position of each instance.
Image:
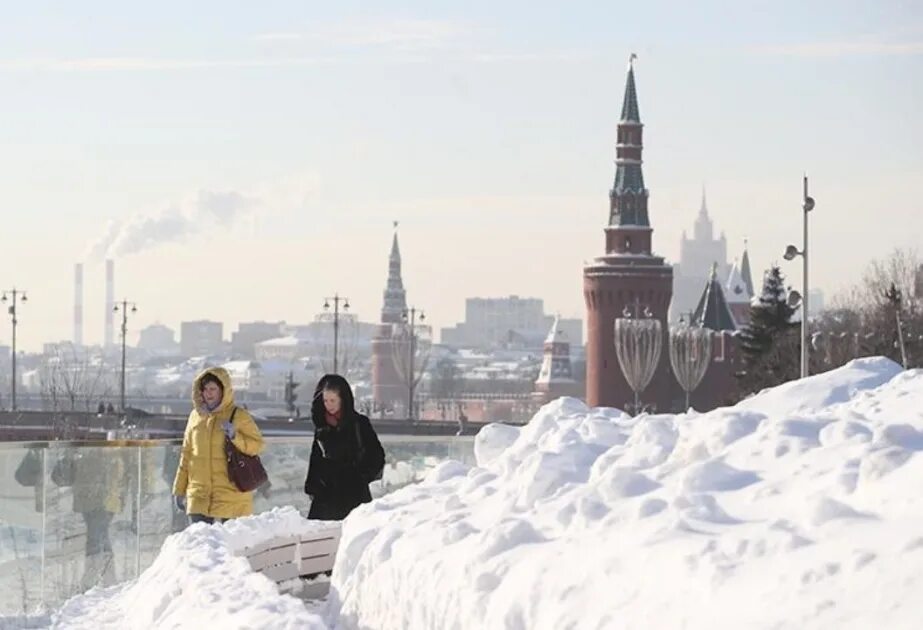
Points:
(245, 471)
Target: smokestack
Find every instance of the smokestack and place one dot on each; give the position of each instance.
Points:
(110, 302)
(78, 305)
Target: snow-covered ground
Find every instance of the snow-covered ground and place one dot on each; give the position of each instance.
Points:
(799, 508)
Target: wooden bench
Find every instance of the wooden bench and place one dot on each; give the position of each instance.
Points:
(286, 558)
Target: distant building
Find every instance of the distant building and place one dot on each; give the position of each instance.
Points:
(512, 321)
(158, 339)
(201, 338)
(249, 334)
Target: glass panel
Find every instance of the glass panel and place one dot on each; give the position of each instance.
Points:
(158, 518)
(21, 520)
(286, 463)
(74, 516)
(408, 459)
(91, 535)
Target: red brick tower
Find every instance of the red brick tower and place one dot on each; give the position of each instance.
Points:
(629, 276)
(387, 386)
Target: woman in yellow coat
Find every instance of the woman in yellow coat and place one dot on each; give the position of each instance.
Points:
(202, 487)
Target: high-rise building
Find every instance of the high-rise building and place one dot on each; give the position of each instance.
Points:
(697, 255)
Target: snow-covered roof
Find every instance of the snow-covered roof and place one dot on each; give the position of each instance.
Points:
(556, 334)
(289, 341)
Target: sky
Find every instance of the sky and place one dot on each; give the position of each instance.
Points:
(242, 163)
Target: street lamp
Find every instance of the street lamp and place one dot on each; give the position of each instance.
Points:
(123, 307)
(790, 252)
(410, 316)
(336, 322)
(12, 296)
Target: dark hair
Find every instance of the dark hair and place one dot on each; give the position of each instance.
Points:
(333, 383)
(210, 378)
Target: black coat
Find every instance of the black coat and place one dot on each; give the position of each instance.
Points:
(340, 469)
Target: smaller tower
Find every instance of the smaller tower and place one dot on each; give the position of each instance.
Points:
(745, 272)
(712, 311)
(556, 378)
(738, 296)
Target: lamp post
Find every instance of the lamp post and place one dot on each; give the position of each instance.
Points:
(12, 296)
(336, 299)
(410, 316)
(790, 252)
(123, 307)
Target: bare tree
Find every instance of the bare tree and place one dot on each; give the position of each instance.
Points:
(410, 351)
(883, 312)
(73, 381)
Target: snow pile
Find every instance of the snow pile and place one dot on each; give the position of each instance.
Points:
(197, 582)
(800, 507)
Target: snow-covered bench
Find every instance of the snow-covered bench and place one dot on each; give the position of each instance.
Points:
(285, 558)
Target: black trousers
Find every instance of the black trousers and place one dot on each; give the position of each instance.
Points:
(201, 518)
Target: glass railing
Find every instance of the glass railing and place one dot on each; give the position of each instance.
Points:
(74, 515)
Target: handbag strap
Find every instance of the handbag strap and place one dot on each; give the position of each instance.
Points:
(233, 412)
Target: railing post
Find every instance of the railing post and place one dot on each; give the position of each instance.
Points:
(138, 523)
(44, 518)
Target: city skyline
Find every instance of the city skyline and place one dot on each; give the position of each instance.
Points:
(260, 170)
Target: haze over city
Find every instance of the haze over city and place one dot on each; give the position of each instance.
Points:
(242, 166)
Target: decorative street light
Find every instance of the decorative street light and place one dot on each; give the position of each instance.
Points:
(123, 306)
(638, 343)
(336, 322)
(690, 354)
(790, 252)
(11, 296)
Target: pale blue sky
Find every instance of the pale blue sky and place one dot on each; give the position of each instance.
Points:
(487, 128)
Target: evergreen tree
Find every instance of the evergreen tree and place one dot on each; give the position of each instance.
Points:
(769, 342)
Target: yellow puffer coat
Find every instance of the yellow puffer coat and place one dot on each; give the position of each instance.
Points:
(202, 475)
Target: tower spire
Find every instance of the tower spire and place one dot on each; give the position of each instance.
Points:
(630, 102)
(395, 298)
(745, 270)
(628, 197)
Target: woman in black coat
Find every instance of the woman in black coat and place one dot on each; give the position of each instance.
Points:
(346, 455)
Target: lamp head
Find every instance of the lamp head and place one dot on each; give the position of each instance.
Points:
(790, 252)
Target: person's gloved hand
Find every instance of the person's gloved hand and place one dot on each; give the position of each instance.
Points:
(229, 430)
(179, 503)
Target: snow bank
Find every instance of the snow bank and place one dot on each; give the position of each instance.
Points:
(800, 507)
(198, 582)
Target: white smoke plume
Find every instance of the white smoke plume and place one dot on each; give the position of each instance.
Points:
(200, 214)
